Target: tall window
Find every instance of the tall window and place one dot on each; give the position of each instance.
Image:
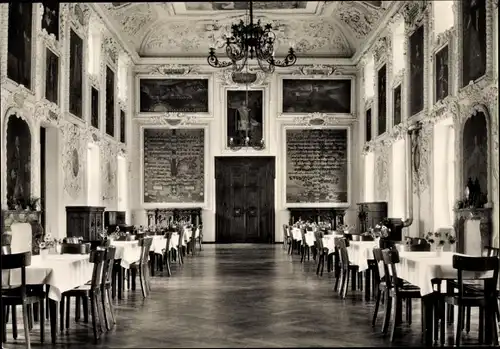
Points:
(444, 174)
(122, 184)
(442, 12)
(398, 39)
(369, 75)
(397, 206)
(93, 175)
(370, 177)
(94, 49)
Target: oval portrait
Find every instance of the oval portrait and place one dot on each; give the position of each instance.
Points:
(75, 163)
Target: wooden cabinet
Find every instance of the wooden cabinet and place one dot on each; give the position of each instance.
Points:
(114, 218)
(83, 221)
(370, 214)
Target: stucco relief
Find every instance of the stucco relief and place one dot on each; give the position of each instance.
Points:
(108, 171)
(225, 78)
(422, 160)
(169, 119)
(73, 173)
(195, 38)
(382, 173)
(360, 19)
(320, 119)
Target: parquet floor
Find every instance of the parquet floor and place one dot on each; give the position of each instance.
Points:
(238, 296)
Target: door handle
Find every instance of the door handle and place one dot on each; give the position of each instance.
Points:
(238, 212)
(252, 211)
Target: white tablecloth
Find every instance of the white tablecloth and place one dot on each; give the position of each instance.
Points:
(359, 253)
(419, 268)
(128, 251)
(62, 272)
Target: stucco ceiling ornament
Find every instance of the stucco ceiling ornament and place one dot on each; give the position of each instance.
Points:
(359, 18)
(79, 17)
(111, 49)
(413, 13)
(173, 69)
(190, 38)
(94, 80)
(72, 159)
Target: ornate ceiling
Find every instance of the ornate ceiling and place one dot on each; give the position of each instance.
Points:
(188, 29)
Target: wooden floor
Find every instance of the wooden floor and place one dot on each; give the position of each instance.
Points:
(239, 296)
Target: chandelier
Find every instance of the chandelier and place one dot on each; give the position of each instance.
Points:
(251, 41)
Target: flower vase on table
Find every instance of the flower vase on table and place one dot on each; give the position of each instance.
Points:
(44, 252)
(439, 250)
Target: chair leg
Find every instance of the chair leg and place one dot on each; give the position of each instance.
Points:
(68, 305)
(111, 307)
(323, 263)
(141, 280)
(346, 283)
(394, 321)
(61, 312)
(100, 310)
(42, 321)
(387, 312)
(375, 311)
(460, 320)
(14, 321)
(133, 273)
(467, 320)
(85, 303)
(93, 310)
(319, 264)
(26, 326)
(4, 315)
(77, 309)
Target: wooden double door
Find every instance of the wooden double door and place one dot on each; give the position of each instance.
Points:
(244, 199)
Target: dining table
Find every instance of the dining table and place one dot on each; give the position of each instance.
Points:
(60, 272)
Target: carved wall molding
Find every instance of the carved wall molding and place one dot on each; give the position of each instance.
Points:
(414, 13)
(381, 49)
(320, 119)
(170, 119)
(319, 69)
(79, 16)
(108, 168)
(445, 38)
(225, 78)
(74, 158)
(422, 161)
(171, 69)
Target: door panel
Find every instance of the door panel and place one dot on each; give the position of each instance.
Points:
(244, 199)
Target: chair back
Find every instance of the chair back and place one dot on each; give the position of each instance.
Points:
(145, 244)
(181, 238)
(168, 238)
(490, 251)
(6, 241)
(483, 269)
(378, 271)
(340, 244)
(68, 248)
(391, 258)
(303, 235)
(18, 261)
(109, 260)
(22, 238)
(319, 240)
(94, 244)
(420, 247)
(285, 231)
(97, 258)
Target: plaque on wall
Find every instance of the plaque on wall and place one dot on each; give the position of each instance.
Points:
(94, 107)
(173, 95)
(174, 165)
(110, 102)
(123, 130)
(317, 166)
(397, 105)
(316, 96)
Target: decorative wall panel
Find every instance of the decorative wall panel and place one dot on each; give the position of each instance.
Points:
(317, 166)
(174, 165)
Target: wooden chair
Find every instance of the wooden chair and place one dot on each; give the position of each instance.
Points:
(285, 236)
(167, 252)
(305, 247)
(143, 266)
(347, 269)
(107, 304)
(379, 280)
(6, 241)
(322, 252)
(397, 292)
(90, 291)
(21, 295)
(484, 297)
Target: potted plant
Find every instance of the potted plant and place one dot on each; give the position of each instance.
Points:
(438, 239)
